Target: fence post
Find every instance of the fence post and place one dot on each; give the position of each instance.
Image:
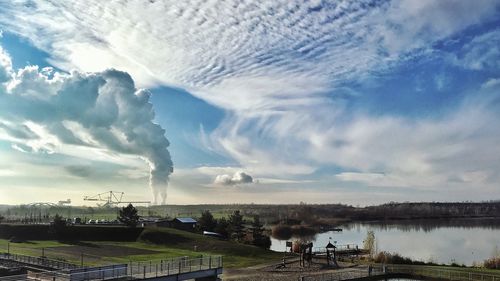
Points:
(156, 270)
(144, 272)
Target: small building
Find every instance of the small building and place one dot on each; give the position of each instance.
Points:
(187, 224)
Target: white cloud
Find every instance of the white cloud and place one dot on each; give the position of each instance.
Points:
(481, 53)
(7, 172)
(237, 178)
(202, 44)
(493, 82)
(101, 116)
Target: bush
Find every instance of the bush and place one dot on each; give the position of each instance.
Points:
(394, 258)
(492, 263)
(285, 232)
(282, 232)
(302, 230)
(262, 241)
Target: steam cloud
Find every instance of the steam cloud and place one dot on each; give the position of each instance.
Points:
(43, 111)
(237, 178)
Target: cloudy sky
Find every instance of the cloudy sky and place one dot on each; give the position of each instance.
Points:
(359, 102)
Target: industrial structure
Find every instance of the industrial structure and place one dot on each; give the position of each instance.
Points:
(111, 199)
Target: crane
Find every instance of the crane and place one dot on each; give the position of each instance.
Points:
(111, 198)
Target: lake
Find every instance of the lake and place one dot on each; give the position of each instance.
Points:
(460, 241)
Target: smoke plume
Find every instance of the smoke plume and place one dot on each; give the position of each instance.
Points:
(44, 111)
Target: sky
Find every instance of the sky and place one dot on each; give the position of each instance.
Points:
(188, 102)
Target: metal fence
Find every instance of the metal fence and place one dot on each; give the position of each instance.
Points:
(173, 266)
(339, 248)
(440, 273)
(343, 275)
(416, 271)
(139, 270)
(39, 261)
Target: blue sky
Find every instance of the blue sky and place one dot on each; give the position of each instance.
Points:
(360, 102)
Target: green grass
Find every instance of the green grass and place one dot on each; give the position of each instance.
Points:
(177, 243)
(35, 248)
(235, 254)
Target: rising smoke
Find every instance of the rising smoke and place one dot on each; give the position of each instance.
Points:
(43, 110)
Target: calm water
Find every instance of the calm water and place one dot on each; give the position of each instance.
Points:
(459, 241)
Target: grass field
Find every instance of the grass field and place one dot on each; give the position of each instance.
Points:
(175, 243)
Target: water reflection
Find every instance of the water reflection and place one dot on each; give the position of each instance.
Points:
(430, 225)
(460, 241)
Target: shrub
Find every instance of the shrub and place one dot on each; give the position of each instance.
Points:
(303, 230)
(283, 232)
(394, 258)
(492, 263)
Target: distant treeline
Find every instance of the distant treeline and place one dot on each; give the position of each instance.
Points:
(428, 210)
(291, 214)
(332, 214)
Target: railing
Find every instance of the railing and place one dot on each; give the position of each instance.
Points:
(173, 266)
(440, 273)
(339, 248)
(138, 270)
(416, 271)
(39, 261)
(343, 275)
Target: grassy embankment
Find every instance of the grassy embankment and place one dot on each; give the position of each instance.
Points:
(157, 243)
